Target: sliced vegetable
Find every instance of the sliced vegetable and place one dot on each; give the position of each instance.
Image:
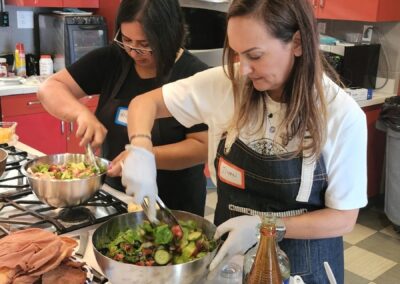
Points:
(194, 236)
(146, 245)
(162, 257)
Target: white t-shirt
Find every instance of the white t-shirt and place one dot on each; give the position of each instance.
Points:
(207, 98)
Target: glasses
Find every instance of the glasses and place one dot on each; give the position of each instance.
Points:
(129, 48)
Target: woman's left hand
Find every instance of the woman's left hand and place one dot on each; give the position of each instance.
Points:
(242, 235)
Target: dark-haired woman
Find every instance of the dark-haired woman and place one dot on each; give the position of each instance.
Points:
(146, 52)
(283, 137)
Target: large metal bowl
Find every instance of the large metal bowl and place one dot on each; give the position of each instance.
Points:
(118, 272)
(64, 193)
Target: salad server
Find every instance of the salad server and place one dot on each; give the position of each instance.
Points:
(164, 214)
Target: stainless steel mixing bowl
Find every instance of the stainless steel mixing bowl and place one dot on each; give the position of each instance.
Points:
(124, 273)
(64, 193)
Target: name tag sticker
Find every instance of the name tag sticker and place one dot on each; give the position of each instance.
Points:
(121, 117)
(230, 174)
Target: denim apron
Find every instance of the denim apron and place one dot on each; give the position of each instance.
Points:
(251, 183)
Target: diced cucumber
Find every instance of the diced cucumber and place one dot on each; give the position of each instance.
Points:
(194, 236)
(189, 250)
(201, 254)
(162, 257)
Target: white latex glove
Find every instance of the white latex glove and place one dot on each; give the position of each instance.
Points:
(139, 177)
(243, 231)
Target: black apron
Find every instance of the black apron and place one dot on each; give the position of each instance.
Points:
(180, 190)
(250, 183)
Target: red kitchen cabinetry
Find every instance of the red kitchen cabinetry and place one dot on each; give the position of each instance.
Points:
(108, 9)
(55, 3)
(375, 150)
(39, 129)
(357, 10)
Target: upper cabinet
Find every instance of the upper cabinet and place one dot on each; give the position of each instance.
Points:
(357, 10)
(55, 3)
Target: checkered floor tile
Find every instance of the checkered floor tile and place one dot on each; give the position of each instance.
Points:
(371, 250)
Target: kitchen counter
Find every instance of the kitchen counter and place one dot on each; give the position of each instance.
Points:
(8, 90)
(89, 256)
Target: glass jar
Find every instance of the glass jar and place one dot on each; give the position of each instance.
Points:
(45, 65)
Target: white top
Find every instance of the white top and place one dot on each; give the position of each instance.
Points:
(207, 98)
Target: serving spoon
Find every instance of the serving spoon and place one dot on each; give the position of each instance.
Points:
(164, 214)
(91, 157)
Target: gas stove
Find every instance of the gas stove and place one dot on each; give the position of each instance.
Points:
(20, 208)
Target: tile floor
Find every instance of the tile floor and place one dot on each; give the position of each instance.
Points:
(372, 249)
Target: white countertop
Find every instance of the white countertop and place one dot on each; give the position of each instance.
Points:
(8, 90)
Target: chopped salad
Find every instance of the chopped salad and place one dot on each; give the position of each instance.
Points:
(65, 171)
(159, 245)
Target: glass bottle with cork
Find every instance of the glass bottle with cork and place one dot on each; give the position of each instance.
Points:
(266, 263)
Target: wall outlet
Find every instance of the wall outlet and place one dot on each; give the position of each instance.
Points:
(367, 33)
(4, 20)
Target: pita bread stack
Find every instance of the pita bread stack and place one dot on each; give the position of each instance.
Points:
(28, 254)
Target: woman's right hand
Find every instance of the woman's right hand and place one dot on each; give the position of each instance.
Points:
(90, 129)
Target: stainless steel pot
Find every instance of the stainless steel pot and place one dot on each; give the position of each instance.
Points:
(3, 160)
(64, 193)
(118, 272)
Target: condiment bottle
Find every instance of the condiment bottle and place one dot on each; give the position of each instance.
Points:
(45, 65)
(3, 67)
(19, 60)
(264, 266)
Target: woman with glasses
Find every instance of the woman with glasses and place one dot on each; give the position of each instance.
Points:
(146, 52)
(284, 138)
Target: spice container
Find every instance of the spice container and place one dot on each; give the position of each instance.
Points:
(45, 65)
(19, 60)
(3, 67)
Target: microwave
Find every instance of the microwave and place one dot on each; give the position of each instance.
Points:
(69, 37)
(206, 26)
(357, 65)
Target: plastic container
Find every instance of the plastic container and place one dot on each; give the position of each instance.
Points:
(3, 67)
(59, 62)
(19, 60)
(45, 65)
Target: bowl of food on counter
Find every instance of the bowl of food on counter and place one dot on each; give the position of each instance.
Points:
(65, 180)
(129, 249)
(7, 132)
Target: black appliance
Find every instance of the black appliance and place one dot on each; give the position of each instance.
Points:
(68, 37)
(358, 65)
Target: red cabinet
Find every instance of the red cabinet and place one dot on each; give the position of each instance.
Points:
(357, 10)
(375, 150)
(55, 3)
(39, 129)
(109, 9)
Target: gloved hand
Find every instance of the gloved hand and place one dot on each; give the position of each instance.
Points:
(243, 231)
(139, 177)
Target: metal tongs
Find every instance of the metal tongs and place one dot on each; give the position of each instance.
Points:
(91, 157)
(164, 214)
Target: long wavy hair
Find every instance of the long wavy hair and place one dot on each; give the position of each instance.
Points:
(163, 24)
(306, 113)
